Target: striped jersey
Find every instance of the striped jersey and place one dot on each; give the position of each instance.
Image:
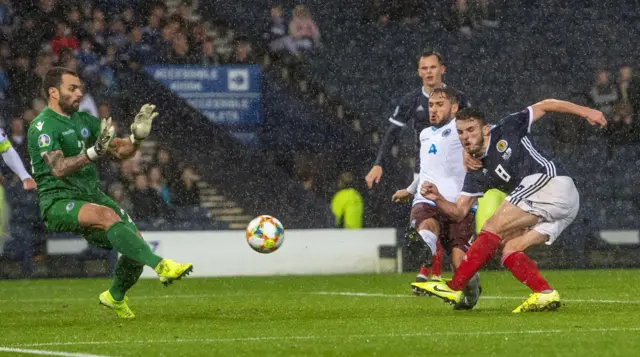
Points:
(510, 157)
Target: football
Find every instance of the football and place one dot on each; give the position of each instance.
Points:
(265, 234)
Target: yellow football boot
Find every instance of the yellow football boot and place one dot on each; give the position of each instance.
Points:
(540, 302)
(119, 307)
(169, 270)
(439, 289)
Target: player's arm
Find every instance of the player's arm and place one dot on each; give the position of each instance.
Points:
(538, 110)
(123, 148)
(458, 210)
(406, 194)
(140, 129)
(397, 122)
(12, 159)
(61, 166)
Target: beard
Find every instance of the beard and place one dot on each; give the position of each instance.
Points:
(443, 122)
(476, 150)
(67, 106)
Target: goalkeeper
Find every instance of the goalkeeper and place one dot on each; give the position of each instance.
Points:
(63, 144)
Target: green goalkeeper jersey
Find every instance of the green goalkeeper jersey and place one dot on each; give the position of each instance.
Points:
(51, 131)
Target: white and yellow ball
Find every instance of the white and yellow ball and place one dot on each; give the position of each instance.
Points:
(265, 234)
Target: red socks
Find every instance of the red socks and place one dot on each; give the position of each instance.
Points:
(436, 268)
(479, 254)
(525, 270)
(424, 271)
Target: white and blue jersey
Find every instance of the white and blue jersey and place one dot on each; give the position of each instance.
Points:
(441, 161)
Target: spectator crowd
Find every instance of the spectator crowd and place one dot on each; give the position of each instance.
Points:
(93, 38)
(619, 99)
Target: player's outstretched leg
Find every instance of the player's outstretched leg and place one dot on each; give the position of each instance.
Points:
(511, 218)
(543, 298)
(127, 242)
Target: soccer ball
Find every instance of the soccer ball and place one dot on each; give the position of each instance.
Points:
(265, 234)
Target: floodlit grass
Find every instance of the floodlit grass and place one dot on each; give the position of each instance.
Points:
(354, 315)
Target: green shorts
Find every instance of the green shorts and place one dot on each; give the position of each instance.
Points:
(487, 205)
(62, 217)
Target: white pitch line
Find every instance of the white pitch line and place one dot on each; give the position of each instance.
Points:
(342, 336)
(330, 293)
(47, 353)
(361, 294)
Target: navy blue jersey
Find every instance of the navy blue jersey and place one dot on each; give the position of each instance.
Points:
(413, 110)
(510, 157)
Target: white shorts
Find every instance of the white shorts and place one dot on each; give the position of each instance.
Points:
(555, 200)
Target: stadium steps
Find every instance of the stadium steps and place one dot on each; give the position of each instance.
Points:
(220, 207)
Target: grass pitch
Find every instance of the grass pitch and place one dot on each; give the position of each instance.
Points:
(363, 315)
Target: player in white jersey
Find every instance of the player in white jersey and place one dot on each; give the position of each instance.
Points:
(12, 159)
(442, 163)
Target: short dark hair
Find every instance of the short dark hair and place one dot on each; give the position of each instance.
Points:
(447, 92)
(432, 53)
(53, 78)
(471, 113)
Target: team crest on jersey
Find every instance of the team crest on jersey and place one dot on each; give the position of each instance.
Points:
(84, 132)
(44, 140)
(70, 206)
(446, 133)
(507, 154)
(502, 145)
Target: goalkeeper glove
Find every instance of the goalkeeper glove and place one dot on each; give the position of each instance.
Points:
(141, 126)
(107, 134)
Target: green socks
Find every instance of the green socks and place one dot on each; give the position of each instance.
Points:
(126, 275)
(128, 243)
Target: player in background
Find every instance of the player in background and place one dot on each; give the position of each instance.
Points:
(63, 144)
(412, 112)
(441, 162)
(12, 159)
(542, 202)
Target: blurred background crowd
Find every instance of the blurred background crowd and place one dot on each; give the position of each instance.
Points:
(332, 74)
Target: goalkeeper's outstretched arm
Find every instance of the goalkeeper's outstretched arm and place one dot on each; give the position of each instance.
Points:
(140, 129)
(123, 148)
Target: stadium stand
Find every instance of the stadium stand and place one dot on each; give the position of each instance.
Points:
(340, 91)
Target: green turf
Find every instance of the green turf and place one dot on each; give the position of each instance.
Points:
(283, 316)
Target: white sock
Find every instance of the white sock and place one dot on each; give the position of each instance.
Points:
(429, 238)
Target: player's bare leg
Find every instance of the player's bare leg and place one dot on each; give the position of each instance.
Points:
(543, 298)
(135, 254)
(508, 218)
(122, 238)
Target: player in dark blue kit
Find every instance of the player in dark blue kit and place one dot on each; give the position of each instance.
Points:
(542, 202)
(412, 112)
